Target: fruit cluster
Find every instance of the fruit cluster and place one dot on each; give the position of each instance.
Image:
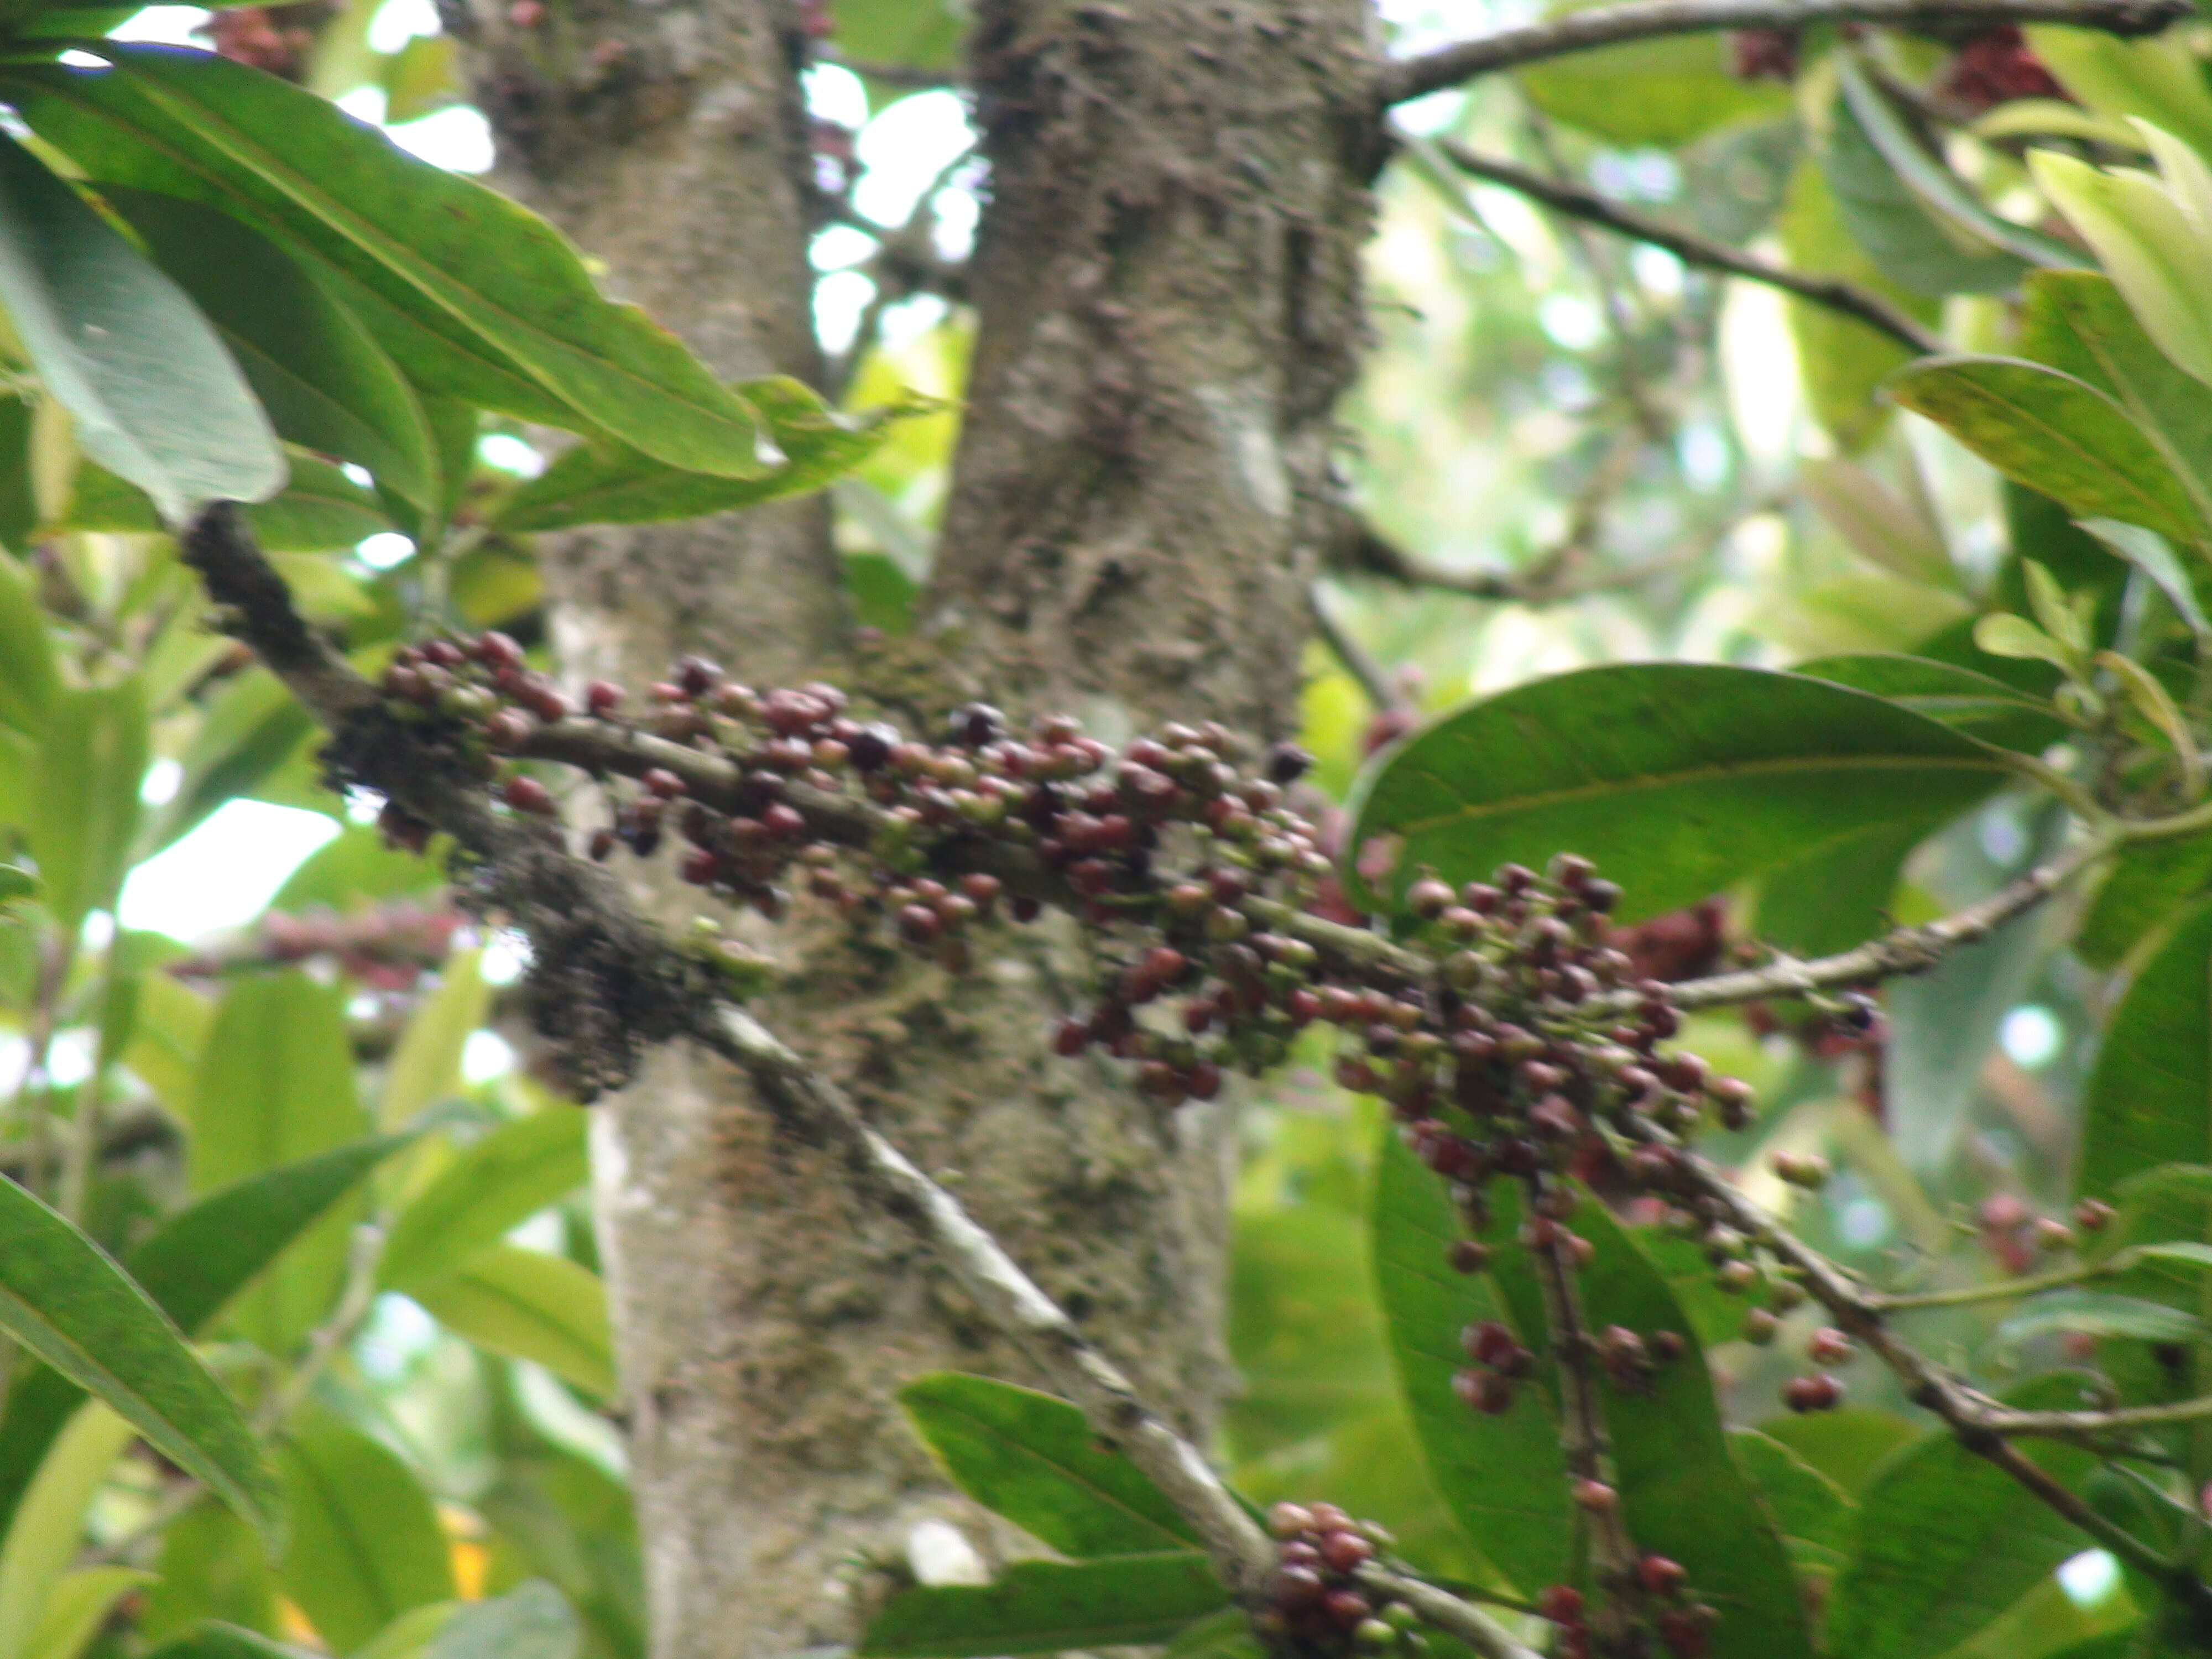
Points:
(1314, 1600)
(1684, 1625)
(1509, 1035)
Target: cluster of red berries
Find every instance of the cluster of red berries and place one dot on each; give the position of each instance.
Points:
(1684, 1625)
(1314, 1598)
(386, 949)
(1996, 67)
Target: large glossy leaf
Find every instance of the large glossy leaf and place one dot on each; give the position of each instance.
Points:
(84, 784)
(152, 392)
(1033, 1459)
(1043, 1606)
(1501, 1476)
(64, 1299)
(192, 1267)
(1947, 1541)
(1974, 703)
(1847, 1445)
(319, 372)
(498, 1182)
(276, 1085)
(1678, 778)
(2054, 433)
(48, 1530)
(486, 275)
(365, 1546)
(1839, 893)
(533, 1621)
(612, 484)
(1682, 1493)
(1807, 1505)
(529, 1305)
(2150, 1100)
(319, 510)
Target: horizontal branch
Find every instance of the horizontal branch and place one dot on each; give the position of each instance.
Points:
(1831, 292)
(1357, 548)
(1642, 20)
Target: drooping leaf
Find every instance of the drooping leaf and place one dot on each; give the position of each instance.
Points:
(365, 1545)
(533, 1621)
(619, 485)
(152, 393)
(2098, 1313)
(48, 1528)
(2157, 78)
(1678, 779)
(1043, 1606)
(529, 1305)
(461, 262)
(83, 795)
(2149, 1099)
(1947, 1541)
(64, 1299)
(1033, 1459)
(276, 1085)
(2054, 433)
(319, 372)
(1501, 1476)
(190, 1267)
(497, 1183)
(427, 1065)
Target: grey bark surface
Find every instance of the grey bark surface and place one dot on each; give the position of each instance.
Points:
(1167, 311)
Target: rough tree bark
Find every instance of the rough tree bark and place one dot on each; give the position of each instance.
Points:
(1167, 298)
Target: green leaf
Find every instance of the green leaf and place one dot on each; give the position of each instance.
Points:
(192, 1267)
(407, 1635)
(2149, 1099)
(1880, 527)
(212, 1568)
(218, 1639)
(613, 484)
(356, 869)
(76, 1606)
(2076, 322)
(2145, 888)
(2152, 553)
(1846, 1445)
(529, 1305)
(426, 1066)
(1807, 1505)
(1839, 894)
(1043, 1606)
(2098, 1313)
(2054, 433)
(487, 278)
(65, 1300)
(276, 1085)
(497, 1183)
(83, 794)
(533, 1621)
(1033, 1459)
(1959, 698)
(365, 1544)
(29, 682)
(1947, 1541)
(2003, 634)
(1223, 1635)
(320, 510)
(1888, 219)
(1678, 778)
(319, 372)
(1501, 1476)
(16, 883)
(1665, 92)
(43, 1538)
(151, 392)
(421, 78)
(562, 1518)
(2158, 78)
(1842, 362)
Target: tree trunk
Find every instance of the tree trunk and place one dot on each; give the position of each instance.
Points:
(1165, 284)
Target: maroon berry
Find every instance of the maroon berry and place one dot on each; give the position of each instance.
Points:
(506, 731)
(1829, 1346)
(1817, 1393)
(1343, 1550)
(602, 698)
(1469, 1257)
(1289, 1520)
(1347, 1609)
(526, 795)
(699, 866)
(1562, 1604)
(602, 843)
(1429, 898)
(2093, 1215)
(1662, 1577)
(1071, 1037)
(1294, 1589)
(1594, 1496)
(920, 925)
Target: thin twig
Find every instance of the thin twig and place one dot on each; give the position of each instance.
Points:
(1691, 249)
(1354, 657)
(1356, 547)
(1641, 20)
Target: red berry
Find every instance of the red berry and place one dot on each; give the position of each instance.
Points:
(663, 782)
(526, 795)
(920, 924)
(1296, 1588)
(1829, 1346)
(602, 698)
(1594, 1496)
(699, 866)
(1562, 1604)
(507, 729)
(1344, 1551)
(1660, 1576)
(1817, 1393)
(1289, 1520)
(1347, 1609)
